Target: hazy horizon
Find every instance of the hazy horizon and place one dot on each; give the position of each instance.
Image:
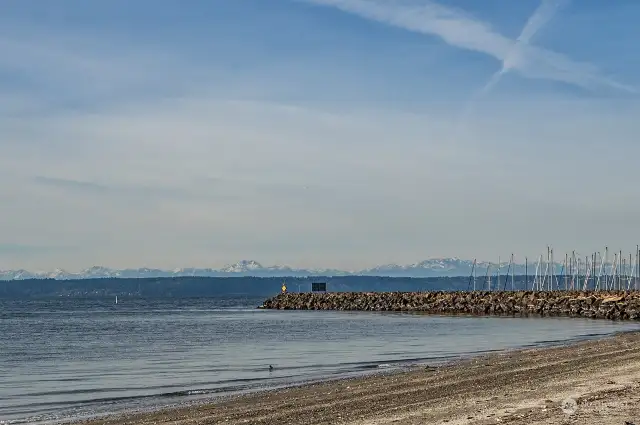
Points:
(315, 133)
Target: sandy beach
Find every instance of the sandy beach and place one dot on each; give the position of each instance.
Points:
(592, 382)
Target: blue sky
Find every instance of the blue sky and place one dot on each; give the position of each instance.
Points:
(338, 133)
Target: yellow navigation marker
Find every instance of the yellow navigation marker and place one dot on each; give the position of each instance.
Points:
(284, 288)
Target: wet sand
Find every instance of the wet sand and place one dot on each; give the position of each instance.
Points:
(593, 382)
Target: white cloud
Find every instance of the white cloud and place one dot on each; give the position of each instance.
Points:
(459, 29)
(203, 182)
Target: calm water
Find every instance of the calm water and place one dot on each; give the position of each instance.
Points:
(69, 358)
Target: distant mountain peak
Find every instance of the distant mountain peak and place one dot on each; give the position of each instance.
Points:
(433, 267)
(242, 266)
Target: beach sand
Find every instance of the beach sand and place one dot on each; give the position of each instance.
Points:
(593, 382)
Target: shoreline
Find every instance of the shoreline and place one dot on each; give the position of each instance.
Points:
(519, 386)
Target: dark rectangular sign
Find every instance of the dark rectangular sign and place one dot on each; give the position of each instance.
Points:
(319, 287)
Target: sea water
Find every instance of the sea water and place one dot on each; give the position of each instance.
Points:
(70, 358)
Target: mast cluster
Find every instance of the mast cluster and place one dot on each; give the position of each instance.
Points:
(597, 271)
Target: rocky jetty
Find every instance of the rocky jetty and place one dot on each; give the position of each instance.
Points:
(593, 304)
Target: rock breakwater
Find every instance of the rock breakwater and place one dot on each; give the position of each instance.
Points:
(593, 304)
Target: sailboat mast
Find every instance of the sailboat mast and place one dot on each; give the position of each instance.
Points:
(546, 269)
(607, 270)
(553, 272)
(566, 263)
(498, 277)
(526, 273)
(474, 275)
(593, 268)
(629, 273)
(513, 266)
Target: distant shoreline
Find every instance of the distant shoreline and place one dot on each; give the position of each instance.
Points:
(261, 286)
(524, 386)
(184, 287)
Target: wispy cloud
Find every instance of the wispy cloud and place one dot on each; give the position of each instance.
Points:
(143, 193)
(67, 69)
(540, 17)
(76, 185)
(459, 29)
(377, 178)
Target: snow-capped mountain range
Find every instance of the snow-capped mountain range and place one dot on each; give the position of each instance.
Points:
(434, 267)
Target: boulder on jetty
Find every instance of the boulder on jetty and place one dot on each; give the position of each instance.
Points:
(612, 305)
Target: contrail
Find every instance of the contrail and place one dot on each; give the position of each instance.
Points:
(461, 30)
(540, 17)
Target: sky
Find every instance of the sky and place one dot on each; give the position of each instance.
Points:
(315, 133)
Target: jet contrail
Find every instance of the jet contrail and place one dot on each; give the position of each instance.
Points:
(461, 30)
(543, 14)
(540, 17)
